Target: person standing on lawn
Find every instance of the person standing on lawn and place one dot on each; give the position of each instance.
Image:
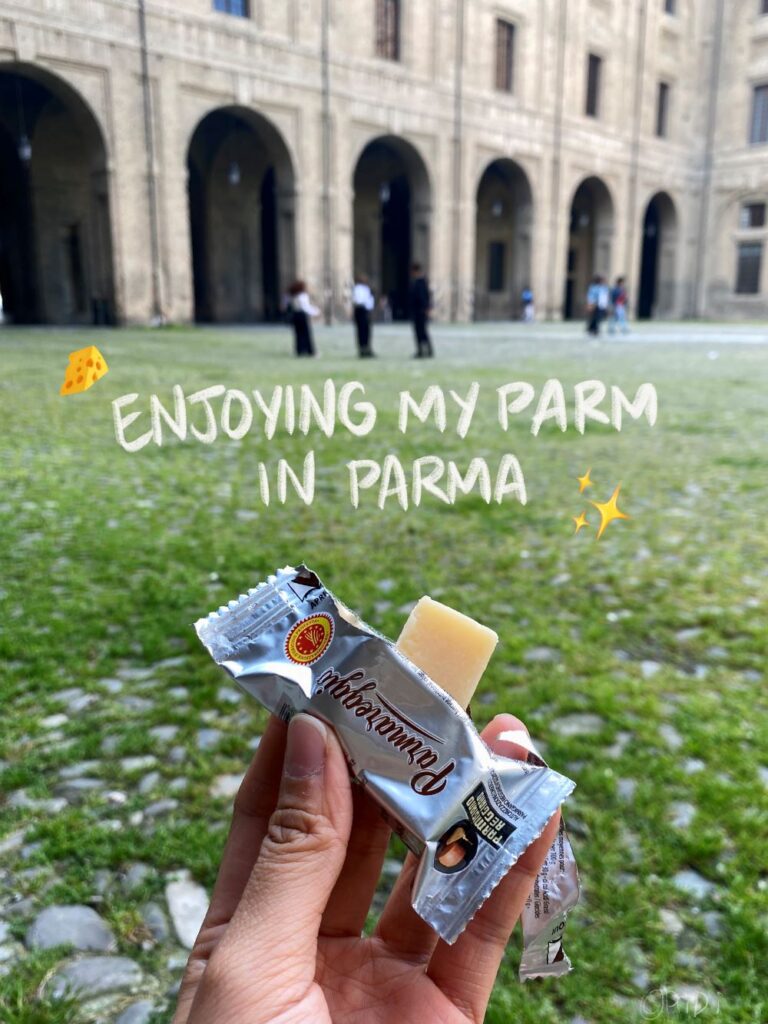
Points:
(593, 307)
(302, 311)
(363, 304)
(619, 303)
(529, 310)
(421, 304)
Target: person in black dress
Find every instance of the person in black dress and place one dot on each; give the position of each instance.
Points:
(421, 304)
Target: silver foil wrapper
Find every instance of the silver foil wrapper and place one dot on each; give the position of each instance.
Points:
(467, 813)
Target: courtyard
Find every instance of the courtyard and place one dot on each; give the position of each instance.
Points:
(636, 660)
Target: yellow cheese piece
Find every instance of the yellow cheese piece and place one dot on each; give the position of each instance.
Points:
(451, 648)
(86, 366)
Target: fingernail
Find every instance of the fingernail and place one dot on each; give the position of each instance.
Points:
(305, 747)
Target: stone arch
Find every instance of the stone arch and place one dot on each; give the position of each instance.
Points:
(56, 259)
(590, 241)
(242, 209)
(392, 211)
(503, 231)
(657, 292)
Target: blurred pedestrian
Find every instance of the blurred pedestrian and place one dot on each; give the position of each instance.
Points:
(619, 303)
(598, 301)
(363, 304)
(529, 310)
(421, 304)
(302, 311)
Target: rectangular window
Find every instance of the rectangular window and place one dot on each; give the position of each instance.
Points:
(752, 215)
(759, 129)
(594, 71)
(670, 6)
(238, 7)
(748, 268)
(662, 110)
(497, 252)
(388, 29)
(505, 55)
(764, 6)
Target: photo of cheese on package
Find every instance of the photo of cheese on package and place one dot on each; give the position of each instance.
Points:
(399, 714)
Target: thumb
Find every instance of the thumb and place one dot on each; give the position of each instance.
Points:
(278, 918)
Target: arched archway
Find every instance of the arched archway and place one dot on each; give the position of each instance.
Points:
(55, 237)
(657, 259)
(589, 243)
(392, 210)
(504, 221)
(242, 216)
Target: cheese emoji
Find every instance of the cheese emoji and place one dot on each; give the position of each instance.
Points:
(86, 366)
(451, 648)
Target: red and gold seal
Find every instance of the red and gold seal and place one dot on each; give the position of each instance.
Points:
(309, 639)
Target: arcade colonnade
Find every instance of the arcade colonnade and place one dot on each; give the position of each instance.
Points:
(213, 216)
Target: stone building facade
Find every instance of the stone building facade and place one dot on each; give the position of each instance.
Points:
(188, 159)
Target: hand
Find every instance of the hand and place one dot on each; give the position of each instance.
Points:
(282, 938)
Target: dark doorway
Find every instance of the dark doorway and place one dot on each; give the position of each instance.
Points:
(396, 245)
(55, 237)
(391, 219)
(241, 217)
(649, 267)
(657, 295)
(589, 244)
(503, 226)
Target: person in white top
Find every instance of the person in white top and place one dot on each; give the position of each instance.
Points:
(363, 303)
(302, 312)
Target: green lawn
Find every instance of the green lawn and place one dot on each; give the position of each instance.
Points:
(657, 631)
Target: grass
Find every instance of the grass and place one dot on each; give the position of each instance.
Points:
(108, 557)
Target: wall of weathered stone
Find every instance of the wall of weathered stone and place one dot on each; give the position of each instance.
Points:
(270, 65)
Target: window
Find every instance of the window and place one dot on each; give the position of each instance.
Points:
(238, 7)
(662, 110)
(388, 29)
(748, 267)
(764, 6)
(759, 130)
(497, 252)
(505, 55)
(594, 69)
(670, 6)
(752, 215)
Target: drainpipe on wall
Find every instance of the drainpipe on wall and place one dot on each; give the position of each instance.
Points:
(557, 143)
(149, 139)
(634, 168)
(458, 128)
(326, 161)
(699, 298)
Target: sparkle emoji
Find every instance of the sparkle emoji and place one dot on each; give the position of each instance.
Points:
(581, 521)
(609, 510)
(86, 366)
(584, 481)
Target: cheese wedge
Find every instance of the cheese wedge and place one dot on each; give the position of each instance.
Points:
(451, 648)
(86, 366)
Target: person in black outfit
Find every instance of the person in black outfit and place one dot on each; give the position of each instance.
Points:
(421, 304)
(363, 304)
(302, 310)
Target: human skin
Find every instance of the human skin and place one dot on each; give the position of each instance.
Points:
(282, 938)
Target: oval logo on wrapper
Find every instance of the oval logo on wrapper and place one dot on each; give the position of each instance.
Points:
(309, 639)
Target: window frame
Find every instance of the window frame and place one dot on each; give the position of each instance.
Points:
(388, 39)
(227, 8)
(506, 33)
(597, 61)
(761, 88)
(663, 104)
(759, 245)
